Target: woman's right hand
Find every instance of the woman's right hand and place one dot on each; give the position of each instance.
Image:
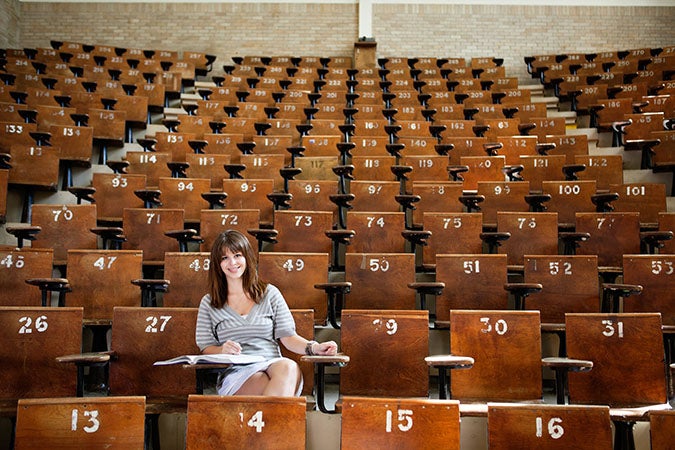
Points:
(230, 348)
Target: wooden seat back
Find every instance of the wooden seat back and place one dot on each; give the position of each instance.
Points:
(209, 166)
(376, 231)
(393, 422)
(372, 166)
(369, 272)
(250, 194)
(303, 231)
(144, 229)
(34, 166)
(313, 195)
(214, 422)
(101, 280)
(606, 170)
(569, 198)
(375, 195)
(141, 336)
(506, 348)
(628, 359)
(570, 146)
(538, 169)
(482, 168)
(4, 178)
(317, 168)
(472, 281)
(32, 339)
(436, 196)
(214, 221)
(549, 426)
(19, 265)
(531, 234)
(655, 274)
(570, 284)
(667, 223)
(612, 235)
(662, 429)
(151, 164)
(397, 367)
(648, 199)
(75, 142)
(175, 144)
(451, 233)
(187, 273)
(295, 274)
(502, 196)
(108, 125)
(185, 194)
(64, 227)
(99, 422)
(114, 192)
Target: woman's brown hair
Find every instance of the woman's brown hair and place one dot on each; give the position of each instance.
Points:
(235, 242)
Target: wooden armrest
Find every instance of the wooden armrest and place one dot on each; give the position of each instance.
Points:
(521, 291)
(341, 236)
(416, 237)
(562, 366)
(264, 235)
(150, 197)
(427, 287)
(400, 171)
(471, 201)
(91, 358)
(569, 364)
(494, 238)
(407, 200)
(184, 236)
(23, 232)
(339, 360)
(450, 361)
(337, 287)
(215, 199)
(149, 288)
(280, 199)
(83, 360)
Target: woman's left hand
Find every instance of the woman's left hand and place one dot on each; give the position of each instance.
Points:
(328, 348)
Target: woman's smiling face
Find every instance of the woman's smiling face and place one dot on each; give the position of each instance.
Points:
(233, 264)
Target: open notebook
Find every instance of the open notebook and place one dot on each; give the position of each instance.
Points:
(218, 358)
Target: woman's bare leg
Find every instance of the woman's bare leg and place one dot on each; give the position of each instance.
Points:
(282, 379)
(285, 377)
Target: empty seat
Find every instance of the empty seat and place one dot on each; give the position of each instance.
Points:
(258, 422)
(402, 339)
(549, 426)
(391, 422)
(98, 422)
(662, 429)
(187, 274)
(472, 281)
(19, 265)
(506, 350)
(530, 234)
(34, 337)
(625, 347)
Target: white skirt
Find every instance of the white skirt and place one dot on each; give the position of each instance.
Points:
(234, 377)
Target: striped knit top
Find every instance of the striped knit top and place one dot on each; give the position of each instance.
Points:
(257, 332)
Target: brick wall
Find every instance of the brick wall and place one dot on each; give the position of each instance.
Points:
(9, 23)
(227, 29)
(512, 32)
(223, 29)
